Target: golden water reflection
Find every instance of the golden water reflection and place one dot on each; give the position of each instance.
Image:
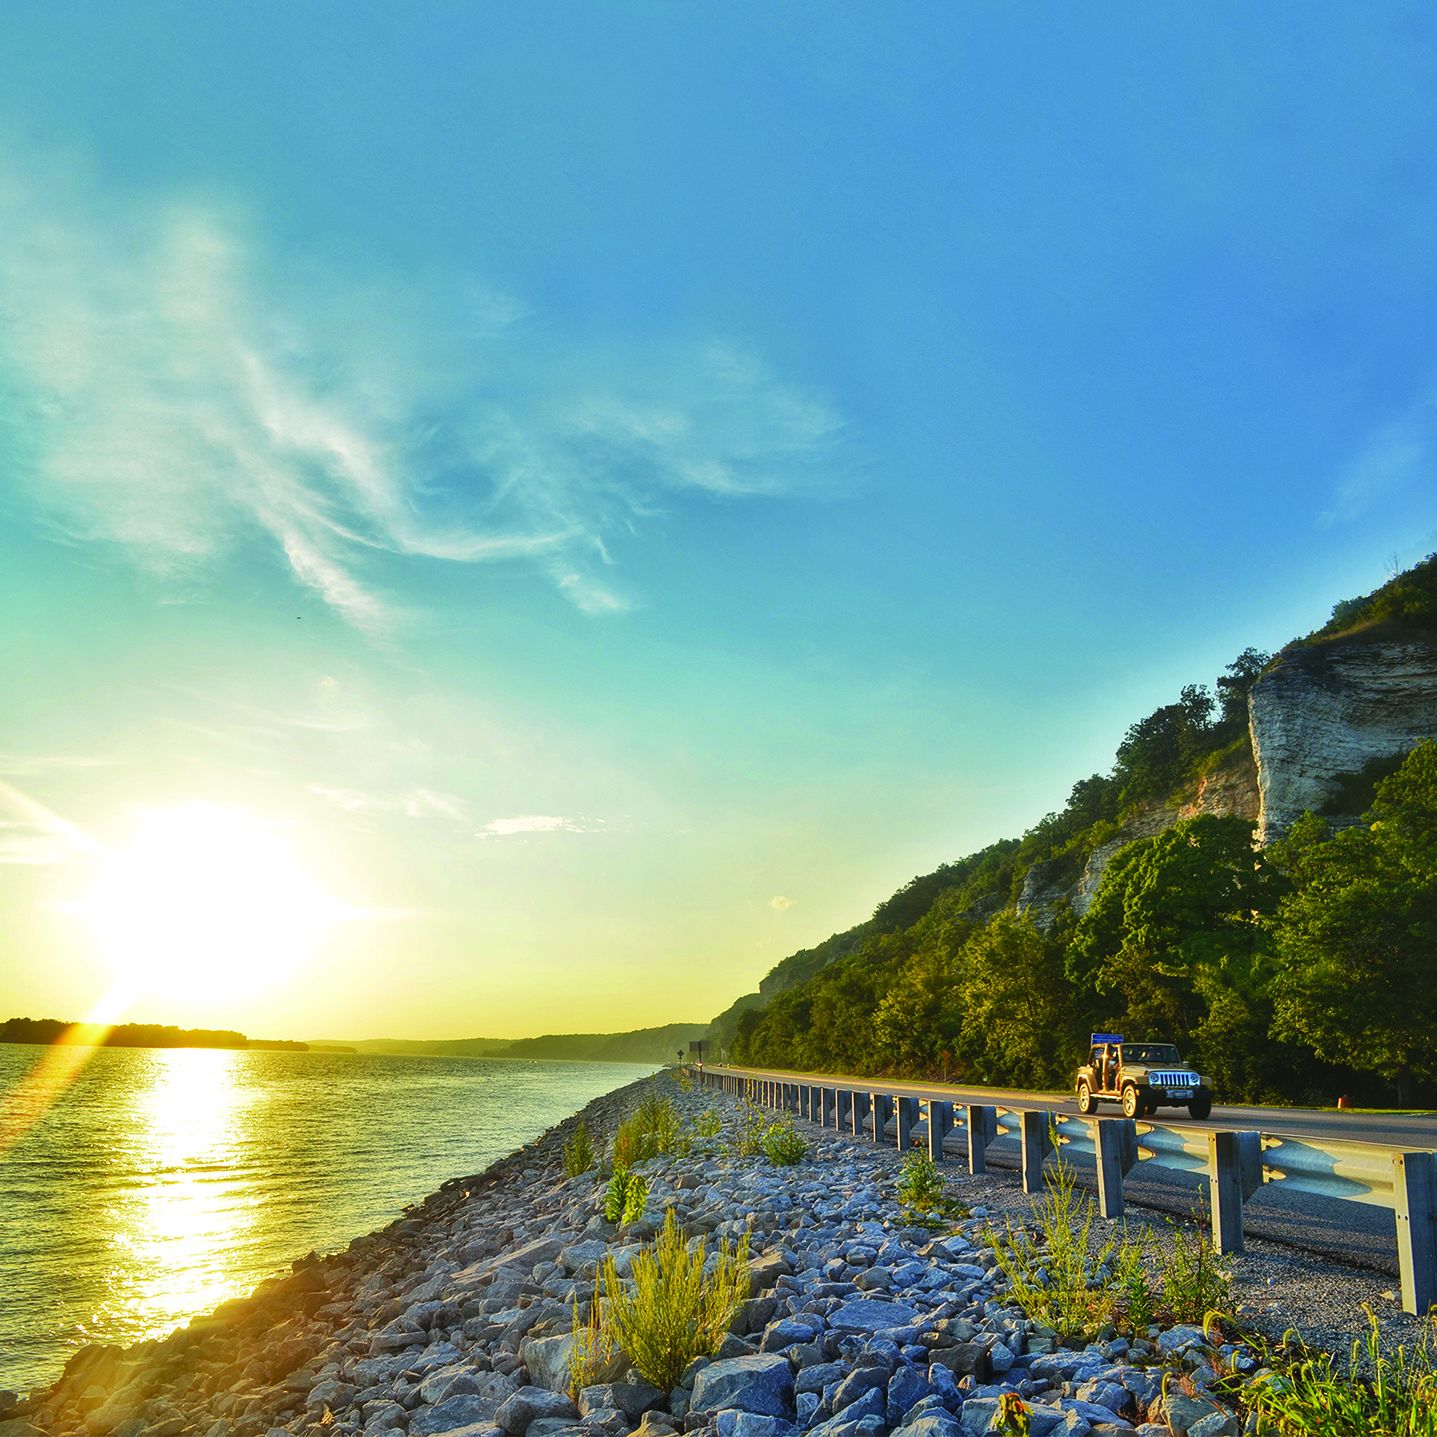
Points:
(181, 1230)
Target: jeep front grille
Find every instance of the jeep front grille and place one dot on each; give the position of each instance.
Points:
(1173, 1080)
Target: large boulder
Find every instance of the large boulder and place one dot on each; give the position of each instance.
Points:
(762, 1384)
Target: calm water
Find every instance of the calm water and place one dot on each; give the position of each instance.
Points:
(164, 1181)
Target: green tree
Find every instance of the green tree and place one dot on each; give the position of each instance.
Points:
(1174, 937)
(1354, 940)
(1022, 1023)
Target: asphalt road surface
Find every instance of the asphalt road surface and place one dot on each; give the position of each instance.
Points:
(1355, 1233)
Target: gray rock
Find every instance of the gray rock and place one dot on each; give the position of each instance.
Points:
(466, 1410)
(906, 1389)
(790, 1331)
(521, 1408)
(870, 1314)
(730, 1423)
(762, 1384)
(1186, 1414)
(930, 1424)
(633, 1399)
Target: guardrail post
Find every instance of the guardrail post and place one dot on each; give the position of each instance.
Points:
(1036, 1143)
(843, 1111)
(830, 1099)
(1225, 1191)
(1414, 1184)
(940, 1121)
(862, 1109)
(907, 1116)
(882, 1111)
(1116, 1147)
(982, 1129)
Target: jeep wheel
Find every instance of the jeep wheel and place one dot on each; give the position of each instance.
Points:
(1201, 1108)
(1085, 1098)
(1149, 1108)
(1132, 1104)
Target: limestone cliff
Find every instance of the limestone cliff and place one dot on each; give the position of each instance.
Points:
(1324, 712)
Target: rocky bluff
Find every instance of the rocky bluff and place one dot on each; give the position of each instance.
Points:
(1326, 718)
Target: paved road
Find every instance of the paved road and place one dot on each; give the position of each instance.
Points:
(1354, 1232)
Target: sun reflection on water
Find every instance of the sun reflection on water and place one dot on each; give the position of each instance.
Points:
(181, 1230)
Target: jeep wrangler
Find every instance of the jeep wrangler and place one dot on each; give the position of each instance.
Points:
(1141, 1076)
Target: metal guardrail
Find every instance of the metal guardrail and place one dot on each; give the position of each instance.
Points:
(1234, 1163)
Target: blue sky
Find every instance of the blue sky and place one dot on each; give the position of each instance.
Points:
(624, 487)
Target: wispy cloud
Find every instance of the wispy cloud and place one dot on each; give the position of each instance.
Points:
(780, 902)
(527, 823)
(27, 845)
(165, 391)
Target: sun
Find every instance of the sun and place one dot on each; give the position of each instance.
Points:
(206, 902)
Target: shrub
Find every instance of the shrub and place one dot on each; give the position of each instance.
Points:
(593, 1348)
(685, 1079)
(783, 1145)
(1376, 1393)
(625, 1197)
(579, 1152)
(709, 1124)
(651, 1129)
(671, 1312)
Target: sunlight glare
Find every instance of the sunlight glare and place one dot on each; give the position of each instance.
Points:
(206, 902)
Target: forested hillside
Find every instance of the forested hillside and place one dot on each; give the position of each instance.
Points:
(1296, 971)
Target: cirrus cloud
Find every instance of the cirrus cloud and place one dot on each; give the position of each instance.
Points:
(171, 386)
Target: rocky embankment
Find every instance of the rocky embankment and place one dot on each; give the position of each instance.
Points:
(456, 1319)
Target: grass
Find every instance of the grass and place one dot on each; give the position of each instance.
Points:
(579, 1154)
(671, 1311)
(1373, 1393)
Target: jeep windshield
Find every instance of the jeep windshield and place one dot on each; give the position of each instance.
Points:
(1150, 1053)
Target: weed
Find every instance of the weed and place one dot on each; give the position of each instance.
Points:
(709, 1124)
(752, 1125)
(922, 1194)
(1194, 1282)
(1012, 1416)
(783, 1145)
(625, 1197)
(1376, 1393)
(686, 1082)
(1133, 1285)
(593, 1348)
(1052, 1276)
(672, 1312)
(579, 1155)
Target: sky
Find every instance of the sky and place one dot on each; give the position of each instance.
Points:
(607, 493)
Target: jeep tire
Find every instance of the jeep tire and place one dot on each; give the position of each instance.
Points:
(1132, 1103)
(1201, 1107)
(1086, 1105)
